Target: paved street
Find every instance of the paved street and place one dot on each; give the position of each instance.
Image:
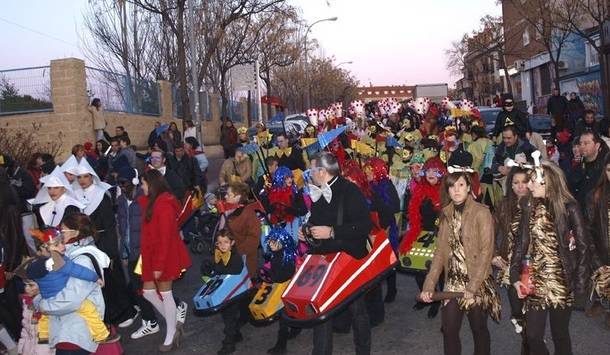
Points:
(405, 331)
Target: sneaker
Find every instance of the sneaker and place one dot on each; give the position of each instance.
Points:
(112, 338)
(181, 312)
(147, 328)
(128, 322)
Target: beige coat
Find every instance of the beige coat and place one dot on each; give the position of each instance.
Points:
(98, 118)
(232, 170)
(478, 240)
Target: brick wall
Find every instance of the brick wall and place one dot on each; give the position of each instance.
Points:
(71, 122)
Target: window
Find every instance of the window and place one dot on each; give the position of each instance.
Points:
(402, 91)
(526, 37)
(591, 55)
(539, 29)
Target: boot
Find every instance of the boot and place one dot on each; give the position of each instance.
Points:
(293, 333)
(390, 296)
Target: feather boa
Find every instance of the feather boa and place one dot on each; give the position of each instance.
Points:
(421, 192)
(281, 198)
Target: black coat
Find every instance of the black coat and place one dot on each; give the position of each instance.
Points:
(175, 183)
(105, 224)
(503, 152)
(280, 272)
(294, 161)
(352, 235)
(584, 177)
(557, 106)
(187, 169)
(597, 222)
(233, 267)
(519, 118)
(23, 183)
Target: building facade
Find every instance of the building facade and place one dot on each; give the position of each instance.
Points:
(376, 93)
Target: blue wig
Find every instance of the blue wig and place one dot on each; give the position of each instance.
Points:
(289, 248)
(280, 176)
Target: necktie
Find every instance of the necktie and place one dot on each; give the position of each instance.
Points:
(316, 192)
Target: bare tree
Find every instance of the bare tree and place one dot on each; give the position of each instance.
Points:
(585, 18)
(541, 16)
(456, 55)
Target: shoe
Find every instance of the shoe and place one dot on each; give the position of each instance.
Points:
(128, 322)
(418, 306)
(279, 348)
(226, 349)
(147, 328)
(596, 310)
(433, 311)
(293, 333)
(175, 344)
(390, 296)
(112, 338)
(181, 312)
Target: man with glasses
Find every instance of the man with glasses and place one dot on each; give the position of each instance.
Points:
(585, 175)
(510, 115)
(157, 162)
(335, 231)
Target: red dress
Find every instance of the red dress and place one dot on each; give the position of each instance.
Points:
(160, 243)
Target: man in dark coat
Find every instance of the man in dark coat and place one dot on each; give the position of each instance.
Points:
(511, 116)
(335, 231)
(557, 105)
(19, 178)
(587, 123)
(157, 162)
(511, 147)
(186, 167)
(584, 177)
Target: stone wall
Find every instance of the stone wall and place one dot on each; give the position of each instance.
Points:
(71, 122)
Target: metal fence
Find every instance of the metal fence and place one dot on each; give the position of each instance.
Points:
(25, 90)
(120, 93)
(205, 103)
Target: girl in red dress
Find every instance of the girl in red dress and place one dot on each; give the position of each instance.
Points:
(163, 253)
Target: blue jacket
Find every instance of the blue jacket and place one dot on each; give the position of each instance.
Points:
(129, 218)
(55, 281)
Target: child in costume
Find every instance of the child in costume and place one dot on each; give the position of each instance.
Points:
(52, 272)
(424, 206)
(285, 201)
(281, 259)
(30, 342)
(228, 262)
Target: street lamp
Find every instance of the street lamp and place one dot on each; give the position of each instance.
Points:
(308, 101)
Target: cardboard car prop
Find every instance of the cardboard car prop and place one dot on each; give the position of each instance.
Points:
(419, 257)
(267, 302)
(221, 290)
(325, 284)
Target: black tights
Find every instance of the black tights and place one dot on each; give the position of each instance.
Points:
(536, 324)
(452, 322)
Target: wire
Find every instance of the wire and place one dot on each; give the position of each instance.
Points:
(37, 32)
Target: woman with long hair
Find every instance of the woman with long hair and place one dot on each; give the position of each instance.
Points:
(163, 253)
(549, 266)
(507, 218)
(597, 214)
(464, 252)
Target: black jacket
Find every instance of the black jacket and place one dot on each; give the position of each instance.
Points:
(503, 152)
(575, 262)
(175, 183)
(23, 183)
(519, 118)
(597, 222)
(583, 178)
(294, 161)
(557, 105)
(233, 267)
(582, 126)
(187, 169)
(352, 235)
(280, 271)
(105, 224)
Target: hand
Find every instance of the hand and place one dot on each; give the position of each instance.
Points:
(321, 232)
(300, 235)
(100, 282)
(157, 275)
(426, 297)
(499, 262)
(519, 286)
(468, 295)
(9, 275)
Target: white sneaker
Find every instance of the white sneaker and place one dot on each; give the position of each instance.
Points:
(181, 312)
(147, 328)
(129, 322)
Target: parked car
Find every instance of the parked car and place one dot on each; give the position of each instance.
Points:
(296, 122)
(489, 115)
(541, 123)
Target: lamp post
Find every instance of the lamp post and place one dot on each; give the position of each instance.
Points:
(308, 97)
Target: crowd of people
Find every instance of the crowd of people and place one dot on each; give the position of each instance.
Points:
(508, 210)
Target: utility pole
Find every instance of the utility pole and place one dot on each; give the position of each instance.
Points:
(194, 83)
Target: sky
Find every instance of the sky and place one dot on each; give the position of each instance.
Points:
(390, 42)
